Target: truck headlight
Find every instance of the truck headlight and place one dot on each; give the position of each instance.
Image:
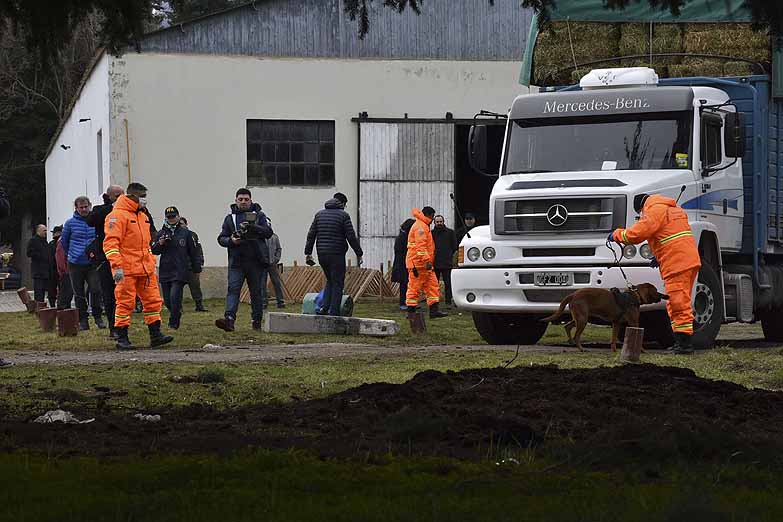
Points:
(488, 254)
(629, 251)
(474, 254)
(645, 251)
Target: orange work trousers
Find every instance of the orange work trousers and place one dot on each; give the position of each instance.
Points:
(125, 293)
(679, 287)
(426, 282)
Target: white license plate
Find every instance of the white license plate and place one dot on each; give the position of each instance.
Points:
(552, 278)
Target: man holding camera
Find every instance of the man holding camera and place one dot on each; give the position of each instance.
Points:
(244, 234)
(178, 259)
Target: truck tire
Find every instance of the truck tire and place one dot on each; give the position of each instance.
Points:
(772, 324)
(509, 328)
(707, 308)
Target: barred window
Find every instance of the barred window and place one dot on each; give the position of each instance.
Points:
(290, 153)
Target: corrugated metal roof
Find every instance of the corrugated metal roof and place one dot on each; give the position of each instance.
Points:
(445, 30)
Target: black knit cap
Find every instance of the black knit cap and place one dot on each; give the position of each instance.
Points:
(638, 201)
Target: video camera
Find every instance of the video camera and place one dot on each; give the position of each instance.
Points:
(245, 231)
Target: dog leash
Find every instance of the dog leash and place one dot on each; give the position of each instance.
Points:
(617, 264)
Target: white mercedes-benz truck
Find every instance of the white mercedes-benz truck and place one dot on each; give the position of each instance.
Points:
(573, 158)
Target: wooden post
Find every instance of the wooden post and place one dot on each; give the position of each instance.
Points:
(68, 322)
(380, 284)
(418, 324)
(632, 345)
(47, 319)
(295, 265)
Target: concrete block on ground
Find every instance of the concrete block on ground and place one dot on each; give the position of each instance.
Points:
(327, 324)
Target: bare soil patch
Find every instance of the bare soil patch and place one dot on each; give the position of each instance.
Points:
(606, 414)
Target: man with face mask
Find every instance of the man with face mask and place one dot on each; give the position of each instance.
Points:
(445, 247)
(178, 259)
(77, 236)
(127, 248)
(243, 234)
(97, 220)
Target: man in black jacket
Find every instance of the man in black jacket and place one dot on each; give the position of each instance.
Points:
(244, 233)
(445, 247)
(333, 230)
(97, 219)
(194, 278)
(178, 258)
(40, 254)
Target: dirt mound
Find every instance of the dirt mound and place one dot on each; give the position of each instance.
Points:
(651, 412)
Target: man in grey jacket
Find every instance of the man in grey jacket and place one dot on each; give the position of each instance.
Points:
(275, 252)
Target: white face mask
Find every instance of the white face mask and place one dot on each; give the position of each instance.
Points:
(143, 202)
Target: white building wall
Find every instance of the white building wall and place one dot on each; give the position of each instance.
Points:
(187, 125)
(76, 171)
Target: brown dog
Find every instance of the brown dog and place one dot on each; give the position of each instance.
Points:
(613, 306)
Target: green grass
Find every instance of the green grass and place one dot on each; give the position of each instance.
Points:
(28, 390)
(20, 331)
(286, 486)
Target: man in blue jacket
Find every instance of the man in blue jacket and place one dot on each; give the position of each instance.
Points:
(244, 233)
(331, 232)
(77, 236)
(178, 259)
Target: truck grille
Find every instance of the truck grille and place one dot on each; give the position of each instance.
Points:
(595, 214)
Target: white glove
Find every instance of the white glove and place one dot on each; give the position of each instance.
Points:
(119, 275)
(359, 261)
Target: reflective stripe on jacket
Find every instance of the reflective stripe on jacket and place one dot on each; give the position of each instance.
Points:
(665, 227)
(421, 247)
(127, 241)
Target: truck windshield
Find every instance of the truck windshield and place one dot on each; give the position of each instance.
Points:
(648, 141)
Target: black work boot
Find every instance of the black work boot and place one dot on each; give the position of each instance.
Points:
(435, 312)
(156, 337)
(257, 325)
(682, 344)
(113, 334)
(225, 323)
(123, 343)
(200, 306)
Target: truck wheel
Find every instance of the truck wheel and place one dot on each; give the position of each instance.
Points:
(772, 324)
(707, 308)
(509, 328)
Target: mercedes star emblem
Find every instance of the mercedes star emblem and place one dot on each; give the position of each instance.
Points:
(557, 215)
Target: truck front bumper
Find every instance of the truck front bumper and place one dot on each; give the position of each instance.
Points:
(513, 290)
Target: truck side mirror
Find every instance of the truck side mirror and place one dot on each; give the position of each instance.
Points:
(477, 148)
(734, 135)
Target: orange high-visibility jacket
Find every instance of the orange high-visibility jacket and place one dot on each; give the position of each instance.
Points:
(421, 246)
(127, 243)
(665, 227)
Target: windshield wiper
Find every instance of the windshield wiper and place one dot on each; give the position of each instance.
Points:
(527, 171)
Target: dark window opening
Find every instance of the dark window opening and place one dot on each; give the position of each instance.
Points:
(711, 143)
(290, 153)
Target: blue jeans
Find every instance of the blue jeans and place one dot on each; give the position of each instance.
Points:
(255, 275)
(172, 298)
(333, 266)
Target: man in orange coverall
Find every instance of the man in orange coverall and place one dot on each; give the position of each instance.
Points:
(419, 262)
(127, 248)
(665, 227)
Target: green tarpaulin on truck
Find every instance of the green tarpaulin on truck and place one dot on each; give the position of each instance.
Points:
(692, 12)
